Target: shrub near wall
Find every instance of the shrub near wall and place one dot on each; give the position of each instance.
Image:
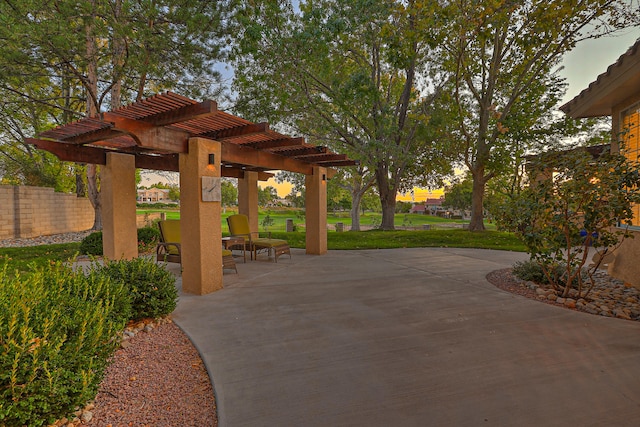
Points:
(58, 329)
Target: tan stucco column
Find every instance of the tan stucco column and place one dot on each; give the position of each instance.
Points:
(316, 211)
(248, 198)
(200, 230)
(118, 199)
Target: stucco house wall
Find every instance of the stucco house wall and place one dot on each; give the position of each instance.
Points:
(614, 92)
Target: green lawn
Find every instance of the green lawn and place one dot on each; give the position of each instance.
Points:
(280, 216)
(24, 259)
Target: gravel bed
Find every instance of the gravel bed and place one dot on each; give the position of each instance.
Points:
(156, 379)
(609, 297)
(45, 240)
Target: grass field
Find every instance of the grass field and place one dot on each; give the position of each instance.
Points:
(442, 234)
(368, 220)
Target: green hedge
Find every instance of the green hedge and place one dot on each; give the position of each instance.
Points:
(58, 329)
(148, 238)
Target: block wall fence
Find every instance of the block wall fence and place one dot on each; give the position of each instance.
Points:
(27, 212)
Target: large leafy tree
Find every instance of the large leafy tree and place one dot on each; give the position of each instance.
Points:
(350, 73)
(81, 57)
(503, 55)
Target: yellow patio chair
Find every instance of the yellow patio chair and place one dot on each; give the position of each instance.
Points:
(239, 227)
(169, 249)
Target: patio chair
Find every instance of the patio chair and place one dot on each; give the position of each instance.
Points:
(239, 227)
(170, 250)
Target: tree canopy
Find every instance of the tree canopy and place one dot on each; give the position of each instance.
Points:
(350, 74)
(503, 56)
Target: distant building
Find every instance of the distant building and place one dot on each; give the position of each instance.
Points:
(153, 195)
(428, 207)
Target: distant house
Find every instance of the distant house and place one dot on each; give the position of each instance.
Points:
(616, 93)
(434, 205)
(418, 209)
(153, 195)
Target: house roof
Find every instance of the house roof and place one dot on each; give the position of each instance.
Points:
(157, 129)
(610, 88)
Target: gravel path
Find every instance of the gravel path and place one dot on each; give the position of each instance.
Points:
(157, 380)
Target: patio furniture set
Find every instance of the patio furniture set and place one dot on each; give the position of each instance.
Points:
(241, 239)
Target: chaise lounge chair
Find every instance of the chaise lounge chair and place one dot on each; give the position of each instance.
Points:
(170, 250)
(239, 227)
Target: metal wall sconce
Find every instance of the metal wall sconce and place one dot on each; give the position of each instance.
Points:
(212, 159)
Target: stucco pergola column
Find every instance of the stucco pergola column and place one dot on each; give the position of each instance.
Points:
(316, 211)
(200, 230)
(248, 198)
(118, 199)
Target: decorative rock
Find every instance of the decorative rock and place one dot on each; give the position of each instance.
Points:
(148, 328)
(541, 292)
(86, 416)
(561, 300)
(552, 297)
(570, 303)
(125, 344)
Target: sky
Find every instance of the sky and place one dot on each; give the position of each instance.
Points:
(581, 66)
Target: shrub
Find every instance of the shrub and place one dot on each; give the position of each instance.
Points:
(147, 239)
(529, 270)
(151, 288)
(92, 244)
(592, 197)
(58, 329)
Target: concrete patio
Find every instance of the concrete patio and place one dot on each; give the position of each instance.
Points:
(406, 337)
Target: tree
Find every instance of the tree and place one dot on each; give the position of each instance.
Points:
(503, 53)
(584, 206)
(92, 53)
(267, 195)
(351, 74)
(174, 193)
(458, 195)
(229, 193)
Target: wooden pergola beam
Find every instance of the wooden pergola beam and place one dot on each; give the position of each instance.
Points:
(322, 158)
(239, 173)
(249, 129)
(71, 152)
(190, 112)
(274, 144)
(147, 135)
(234, 153)
(95, 136)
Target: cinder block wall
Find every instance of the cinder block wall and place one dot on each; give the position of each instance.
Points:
(37, 211)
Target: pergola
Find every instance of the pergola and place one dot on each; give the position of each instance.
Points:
(173, 133)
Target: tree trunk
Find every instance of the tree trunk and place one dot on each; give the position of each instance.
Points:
(356, 198)
(94, 195)
(477, 198)
(92, 111)
(387, 198)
